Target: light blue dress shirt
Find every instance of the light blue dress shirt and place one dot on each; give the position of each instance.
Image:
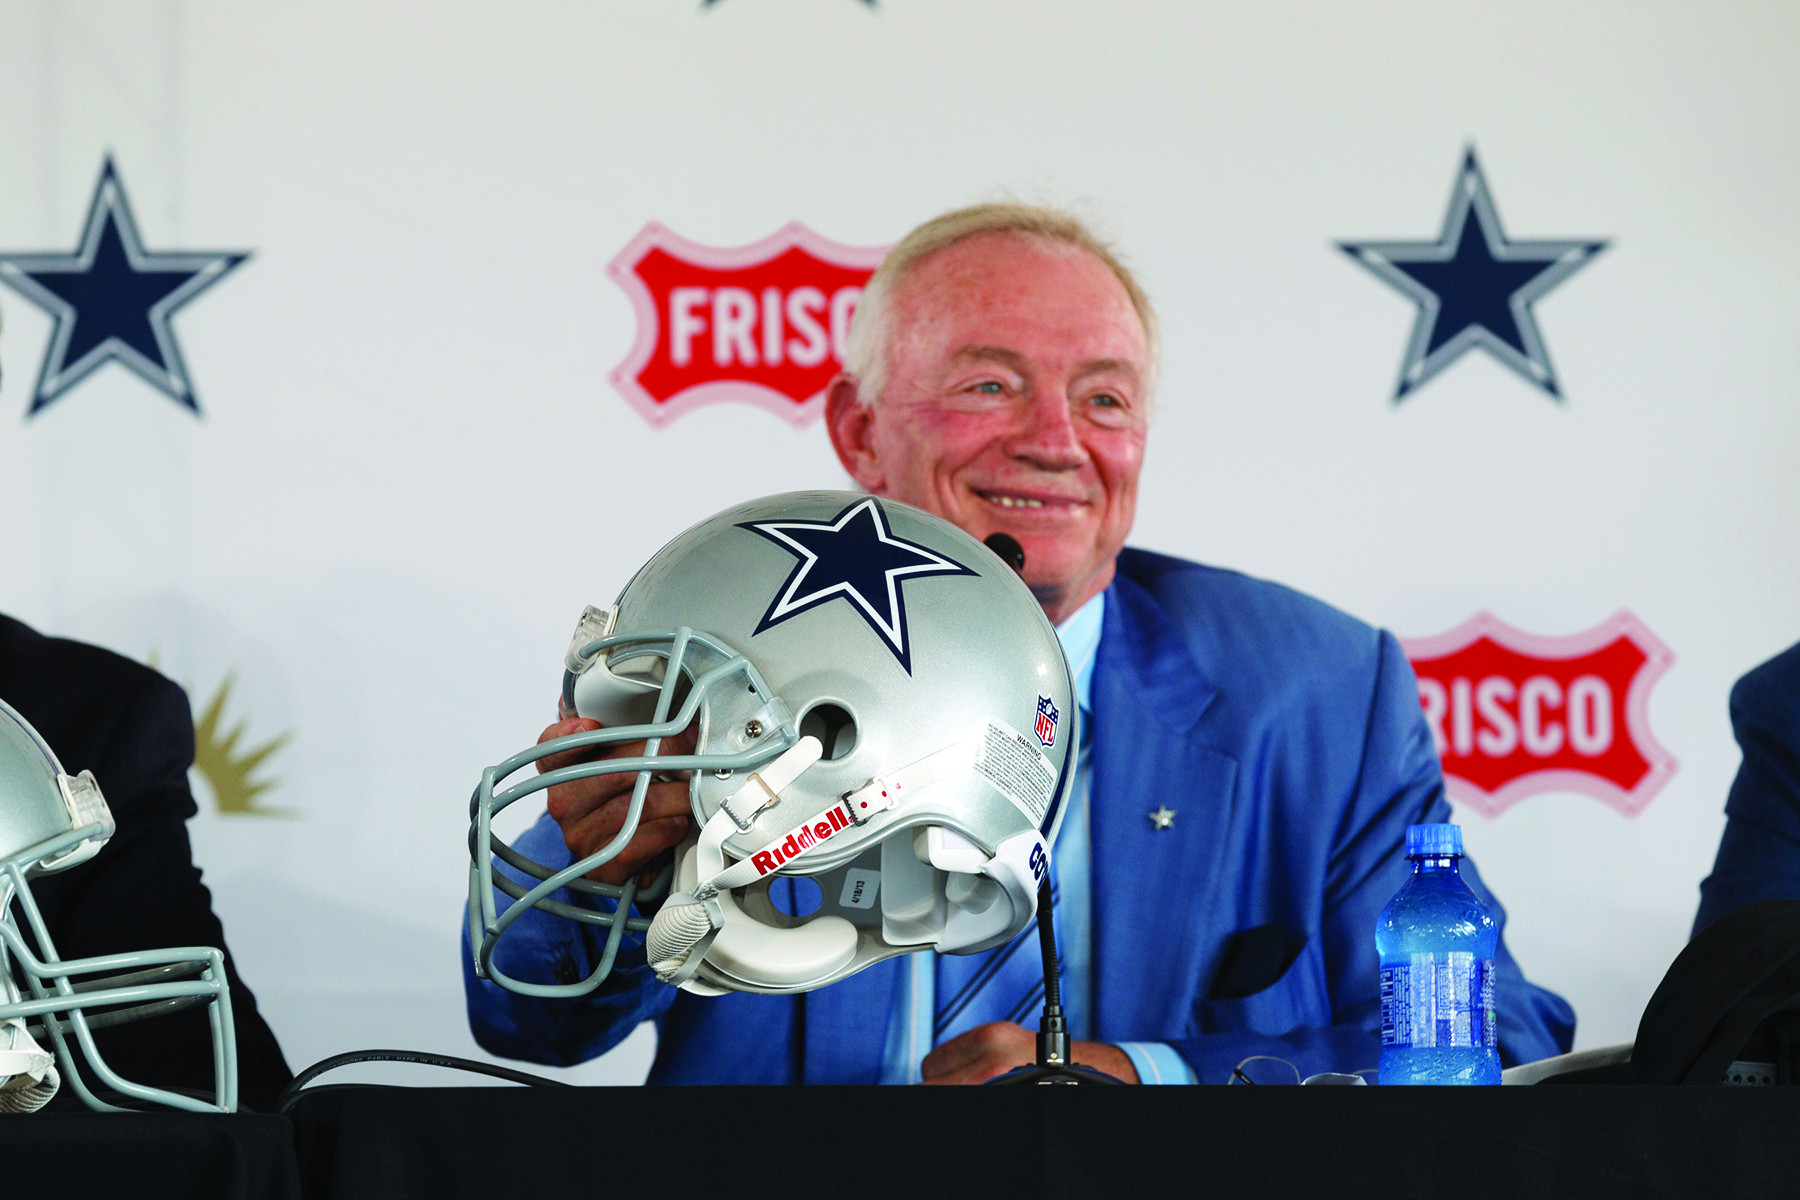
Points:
(915, 1000)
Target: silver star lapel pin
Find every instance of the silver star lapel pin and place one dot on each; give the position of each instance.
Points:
(1163, 817)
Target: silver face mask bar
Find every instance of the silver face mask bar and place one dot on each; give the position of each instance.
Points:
(487, 925)
(152, 983)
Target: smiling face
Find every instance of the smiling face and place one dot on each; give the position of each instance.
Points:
(1015, 401)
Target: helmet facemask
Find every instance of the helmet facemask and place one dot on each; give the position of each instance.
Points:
(703, 667)
(51, 1005)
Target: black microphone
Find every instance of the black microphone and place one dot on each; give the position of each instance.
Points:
(1053, 1064)
(1008, 548)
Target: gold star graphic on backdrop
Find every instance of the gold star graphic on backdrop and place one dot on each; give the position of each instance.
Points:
(230, 773)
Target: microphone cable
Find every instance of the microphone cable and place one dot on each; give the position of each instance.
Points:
(293, 1091)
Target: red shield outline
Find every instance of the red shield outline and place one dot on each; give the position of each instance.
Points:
(1657, 763)
(799, 412)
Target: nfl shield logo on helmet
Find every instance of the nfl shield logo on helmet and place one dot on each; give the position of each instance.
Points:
(1047, 717)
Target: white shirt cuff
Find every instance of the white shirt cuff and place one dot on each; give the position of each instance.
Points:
(1157, 1062)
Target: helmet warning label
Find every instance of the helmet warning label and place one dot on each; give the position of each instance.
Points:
(1013, 763)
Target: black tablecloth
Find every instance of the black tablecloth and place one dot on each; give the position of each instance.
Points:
(125, 1156)
(356, 1142)
(853, 1143)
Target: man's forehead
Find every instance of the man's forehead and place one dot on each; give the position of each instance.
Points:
(996, 283)
(990, 261)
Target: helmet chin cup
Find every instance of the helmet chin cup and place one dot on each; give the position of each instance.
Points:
(982, 901)
(749, 954)
(754, 955)
(788, 960)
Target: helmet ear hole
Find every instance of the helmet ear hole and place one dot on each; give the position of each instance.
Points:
(833, 725)
(796, 895)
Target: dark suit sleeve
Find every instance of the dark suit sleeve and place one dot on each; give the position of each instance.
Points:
(1399, 783)
(1759, 854)
(143, 891)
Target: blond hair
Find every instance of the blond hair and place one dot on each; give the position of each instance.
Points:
(866, 349)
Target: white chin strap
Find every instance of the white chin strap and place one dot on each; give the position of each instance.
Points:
(28, 1077)
(704, 923)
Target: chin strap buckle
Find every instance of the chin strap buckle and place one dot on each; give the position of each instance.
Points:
(762, 791)
(886, 792)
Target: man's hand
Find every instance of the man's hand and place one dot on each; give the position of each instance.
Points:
(999, 1046)
(591, 812)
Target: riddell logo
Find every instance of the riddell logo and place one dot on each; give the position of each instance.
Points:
(801, 840)
(762, 324)
(1515, 714)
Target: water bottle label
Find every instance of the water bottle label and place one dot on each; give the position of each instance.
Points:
(1396, 1006)
(1438, 1000)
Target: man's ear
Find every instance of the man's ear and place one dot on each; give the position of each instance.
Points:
(851, 424)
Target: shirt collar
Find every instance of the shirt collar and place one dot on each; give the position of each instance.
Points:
(1080, 636)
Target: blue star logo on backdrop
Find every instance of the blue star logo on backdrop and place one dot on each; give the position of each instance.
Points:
(1474, 287)
(854, 557)
(113, 299)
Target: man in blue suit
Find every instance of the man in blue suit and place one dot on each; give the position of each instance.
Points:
(1759, 854)
(1255, 755)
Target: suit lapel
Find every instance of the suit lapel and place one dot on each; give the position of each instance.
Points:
(1152, 888)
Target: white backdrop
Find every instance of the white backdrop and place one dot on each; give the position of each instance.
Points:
(411, 470)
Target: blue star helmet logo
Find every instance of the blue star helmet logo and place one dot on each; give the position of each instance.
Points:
(853, 557)
(112, 300)
(1474, 287)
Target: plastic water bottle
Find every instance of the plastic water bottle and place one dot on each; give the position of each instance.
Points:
(1436, 940)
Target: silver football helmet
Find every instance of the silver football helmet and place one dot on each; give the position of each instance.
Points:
(880, 705)
(49, 1006)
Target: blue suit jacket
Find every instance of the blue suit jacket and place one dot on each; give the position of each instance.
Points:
(1759, 854)
(1289, 740)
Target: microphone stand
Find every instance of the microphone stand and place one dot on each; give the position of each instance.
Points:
(1053, 1065)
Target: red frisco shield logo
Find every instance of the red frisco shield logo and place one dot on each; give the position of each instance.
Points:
(762, 324)
(1515, 714)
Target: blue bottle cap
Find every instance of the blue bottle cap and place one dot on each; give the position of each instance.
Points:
(1433, 841)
